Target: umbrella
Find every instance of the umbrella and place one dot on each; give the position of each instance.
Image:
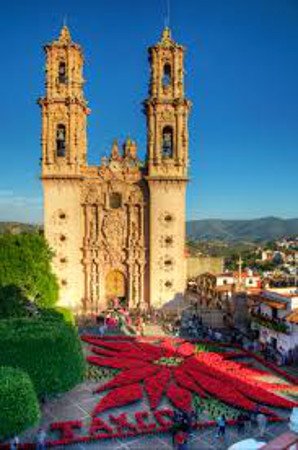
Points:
(247, 444)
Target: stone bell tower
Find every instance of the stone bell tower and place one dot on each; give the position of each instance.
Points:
(64, 109)
(63, 138)
(167, 112)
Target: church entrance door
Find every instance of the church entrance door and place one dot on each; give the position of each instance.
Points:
(116, 286)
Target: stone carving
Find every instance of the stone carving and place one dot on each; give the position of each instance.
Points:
(91, 194)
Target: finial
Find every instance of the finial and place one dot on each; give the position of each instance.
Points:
(64, 37)
(166, 37)
(130, 148)
(115, 154)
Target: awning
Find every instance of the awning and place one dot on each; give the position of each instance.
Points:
(293, 316)
(275, 304)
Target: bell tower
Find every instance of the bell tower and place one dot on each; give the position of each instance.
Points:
(64, 109)
(167, 112)
(63, 140)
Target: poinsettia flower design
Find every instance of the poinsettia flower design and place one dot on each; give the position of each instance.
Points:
(175, 369)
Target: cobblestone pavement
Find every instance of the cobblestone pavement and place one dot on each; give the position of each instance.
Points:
(201, 440)
(78, 403)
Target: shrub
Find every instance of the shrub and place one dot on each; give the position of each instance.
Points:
(48, 350)
(19, 407)
(67, 314)
(13, 303)
(59, 313)
(26, 262)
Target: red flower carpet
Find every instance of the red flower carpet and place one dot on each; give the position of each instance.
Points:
(171, 369)
(175, 369)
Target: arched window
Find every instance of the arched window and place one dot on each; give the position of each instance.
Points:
(62, 73)
(166, 79)
(61, 140)
(115, 200)
(167, 142)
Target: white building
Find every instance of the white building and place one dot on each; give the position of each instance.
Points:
(275, 316)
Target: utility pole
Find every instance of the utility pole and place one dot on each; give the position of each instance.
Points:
(240, 262)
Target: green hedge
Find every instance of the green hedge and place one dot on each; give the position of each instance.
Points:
(58, 313)
(48, 350)
(19, 407)
(13, 302)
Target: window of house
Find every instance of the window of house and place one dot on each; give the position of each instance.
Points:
(167, 142)
(167, 77)
(61, 140)
(62, 73)
(115, 200)
(274, 313)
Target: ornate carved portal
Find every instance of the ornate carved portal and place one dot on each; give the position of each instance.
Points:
(114, 239)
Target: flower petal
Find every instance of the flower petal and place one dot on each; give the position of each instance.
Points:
(129, 376)
(181, 398)
(186, 381)
(221, 390)
(119, 397)
(155, 386)
(116, 363)
(186, 349)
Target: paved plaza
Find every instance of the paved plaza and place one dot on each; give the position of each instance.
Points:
(78, 404)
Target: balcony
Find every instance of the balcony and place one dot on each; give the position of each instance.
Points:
(265, 320)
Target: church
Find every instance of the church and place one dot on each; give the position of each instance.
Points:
(116, 229)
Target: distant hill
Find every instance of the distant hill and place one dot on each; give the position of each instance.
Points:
(18, 227)
(256, 230)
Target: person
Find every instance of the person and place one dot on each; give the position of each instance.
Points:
(193, 419)
(101, 325)
(262, 422)
(253, 416)
(240, 423)
(247, 421)
(181, 440)
(221, 426)
(140, 325)
(41, 439)
(14, 443)
(176, 427)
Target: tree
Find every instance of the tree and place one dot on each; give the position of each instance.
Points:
(26, 263)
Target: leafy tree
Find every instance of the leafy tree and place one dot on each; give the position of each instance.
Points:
(26, 263)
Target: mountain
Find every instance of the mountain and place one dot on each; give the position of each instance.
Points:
(18, 227)
(256, 230)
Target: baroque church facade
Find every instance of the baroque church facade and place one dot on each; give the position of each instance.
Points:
(117, 229)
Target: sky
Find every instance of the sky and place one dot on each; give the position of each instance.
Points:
(241, 75)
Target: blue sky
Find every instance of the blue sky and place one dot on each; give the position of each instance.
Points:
(241, 75)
